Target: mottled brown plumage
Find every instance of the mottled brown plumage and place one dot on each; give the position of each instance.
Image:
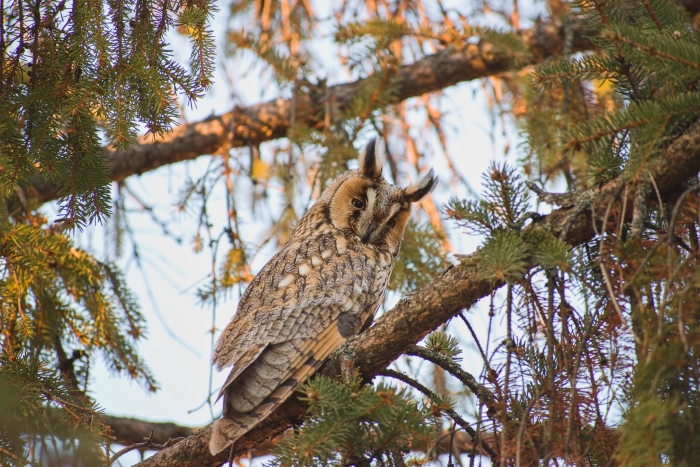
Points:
(320, 289)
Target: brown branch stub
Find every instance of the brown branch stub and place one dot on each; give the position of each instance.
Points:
(131, 431)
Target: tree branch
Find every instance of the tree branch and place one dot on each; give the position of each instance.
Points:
(419, 313)
(131, 431)
(476, 437)
(270, 120)
(481, 392)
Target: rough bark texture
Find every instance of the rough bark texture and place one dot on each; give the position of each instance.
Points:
(419, 313)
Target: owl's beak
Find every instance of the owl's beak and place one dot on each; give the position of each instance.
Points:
(368, 231)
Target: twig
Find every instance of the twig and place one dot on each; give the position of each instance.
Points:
(606, 276)
(483, 394)
(639, 208)
(476, 340)
(658, 196)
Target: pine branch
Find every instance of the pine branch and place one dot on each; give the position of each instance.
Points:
(419, 313)
(482, 393)
(271, 120)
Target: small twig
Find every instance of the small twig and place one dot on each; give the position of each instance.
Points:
(653, 15)
(670, 237)
(509, 353)
(658, 196)
(563, 200)
(639, 208)
(604, 271)
(476, 340)
(483, 394)
(230, 455)
(452, 444)
(624, 212)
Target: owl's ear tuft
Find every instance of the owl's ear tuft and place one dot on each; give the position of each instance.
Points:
(373, 157)
(422, 187)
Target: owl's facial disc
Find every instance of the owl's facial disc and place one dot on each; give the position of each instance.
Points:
(364, 206)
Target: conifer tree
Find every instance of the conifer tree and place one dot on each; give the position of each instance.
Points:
(597, 363)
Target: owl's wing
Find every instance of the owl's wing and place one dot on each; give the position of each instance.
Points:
(283, 300)
(305, 303)
(243, 362)
(271, 305)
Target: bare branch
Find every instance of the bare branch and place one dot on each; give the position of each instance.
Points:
(270, 120)
(128, 431)
(147, 444)
(476, 438)
(482, 393)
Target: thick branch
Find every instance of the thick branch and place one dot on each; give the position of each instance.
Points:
(270, 120)
(419, 313)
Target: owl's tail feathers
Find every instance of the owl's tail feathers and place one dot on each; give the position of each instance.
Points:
(220, 438)
(227, 430)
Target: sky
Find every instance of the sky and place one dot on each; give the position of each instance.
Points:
(178, 345)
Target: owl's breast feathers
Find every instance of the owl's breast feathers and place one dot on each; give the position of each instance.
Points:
(316, 292)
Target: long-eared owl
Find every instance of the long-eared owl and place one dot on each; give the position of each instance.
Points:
(320, 289)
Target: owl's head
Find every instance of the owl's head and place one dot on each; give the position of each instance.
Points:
(363, 204)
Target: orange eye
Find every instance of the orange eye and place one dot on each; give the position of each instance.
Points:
(357, 203)
(392, 223)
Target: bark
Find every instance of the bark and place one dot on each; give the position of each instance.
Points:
(419, 313)
(267, 121)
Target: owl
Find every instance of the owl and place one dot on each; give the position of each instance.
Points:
(320, 289)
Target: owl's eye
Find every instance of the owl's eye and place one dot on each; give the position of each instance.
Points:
(392, 223)
(357, 203)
